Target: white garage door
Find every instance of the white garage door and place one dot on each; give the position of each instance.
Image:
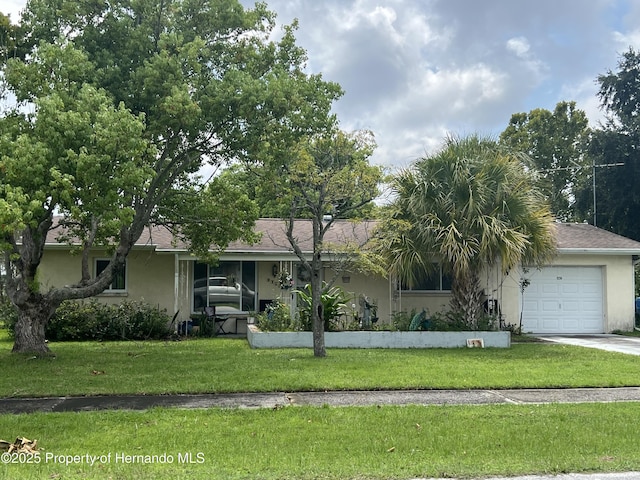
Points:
(563, 300)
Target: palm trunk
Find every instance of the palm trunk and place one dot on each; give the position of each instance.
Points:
(467, 298)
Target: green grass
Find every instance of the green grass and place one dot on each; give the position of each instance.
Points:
(228, 365)
(320, 443)
(335, 443)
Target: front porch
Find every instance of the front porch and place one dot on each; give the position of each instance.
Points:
(240, 286)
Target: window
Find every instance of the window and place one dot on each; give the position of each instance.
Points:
(435, 280)
(119, 282)
(230, 286)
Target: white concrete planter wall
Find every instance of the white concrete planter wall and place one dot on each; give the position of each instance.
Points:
(375, 339)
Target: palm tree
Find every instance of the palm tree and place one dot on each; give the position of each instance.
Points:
(470, 206)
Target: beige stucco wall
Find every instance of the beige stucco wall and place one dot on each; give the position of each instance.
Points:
(150, 277)
(617, 289)
(432, 302)
(355, 285)
(375, 288)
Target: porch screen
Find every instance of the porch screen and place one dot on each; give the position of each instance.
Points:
(229, 286)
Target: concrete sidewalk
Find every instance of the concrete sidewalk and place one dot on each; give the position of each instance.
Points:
(337, 399)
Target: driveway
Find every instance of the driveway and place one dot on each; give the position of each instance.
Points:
(611, 343)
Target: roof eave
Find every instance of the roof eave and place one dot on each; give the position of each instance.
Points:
(600, 251)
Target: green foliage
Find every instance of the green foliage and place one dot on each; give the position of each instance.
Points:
(452, 321)
(129, 320)
(334, 303)
(555, 142)
(469, 206)
(329, 173)
(615, 143)
(324, 177)
(8, 314)
(130, 101)
(401, 321)
(446, 321)
(276, 318)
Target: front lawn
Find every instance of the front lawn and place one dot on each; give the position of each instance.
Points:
(317, 442)
(329, 443)
(228, 365)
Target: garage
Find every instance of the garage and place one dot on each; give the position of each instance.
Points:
(563, 300)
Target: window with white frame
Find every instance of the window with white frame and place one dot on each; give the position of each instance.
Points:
(434, 280)
(119, 281)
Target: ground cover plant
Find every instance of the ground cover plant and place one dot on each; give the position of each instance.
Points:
(331, 443)
(229, 365)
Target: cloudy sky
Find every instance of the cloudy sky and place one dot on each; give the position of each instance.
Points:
(414, 71)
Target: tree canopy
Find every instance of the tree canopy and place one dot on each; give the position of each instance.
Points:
(555, 141)
(118, 106)
(615, 142)
(471, 205)
(327, 177)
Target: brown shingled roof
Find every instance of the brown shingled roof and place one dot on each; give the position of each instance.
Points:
(570, 236)
(585, 236)
(274, 236)
(273, 239)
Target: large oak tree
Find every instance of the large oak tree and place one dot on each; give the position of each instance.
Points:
(118, 105)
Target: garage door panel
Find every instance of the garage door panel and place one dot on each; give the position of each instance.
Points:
(564, 300)
(591, 289)
(591, 307)
(571, 307)
(571, 324)
(570, 289)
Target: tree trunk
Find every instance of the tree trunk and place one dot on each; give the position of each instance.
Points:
(467, 298)
(317, 317)
(319, 349)
(33, 317)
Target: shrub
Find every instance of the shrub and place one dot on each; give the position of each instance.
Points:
(333, 306)
(8, 315)
(129, 320)
(401, 320)
(276, 318)
(455, 322)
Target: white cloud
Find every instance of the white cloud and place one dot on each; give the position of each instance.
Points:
(519, 45)
(415, 70)
(12, 8)
(626, 40)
